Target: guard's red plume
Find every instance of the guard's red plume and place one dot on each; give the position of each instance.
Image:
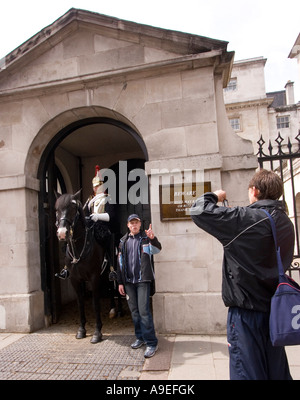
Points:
(97, 178)
(97, 168)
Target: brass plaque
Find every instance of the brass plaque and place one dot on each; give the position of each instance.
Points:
(177, 199)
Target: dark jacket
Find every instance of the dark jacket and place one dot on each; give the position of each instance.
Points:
(147, 247)
(250, 274)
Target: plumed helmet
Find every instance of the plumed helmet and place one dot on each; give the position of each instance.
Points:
(97, 180)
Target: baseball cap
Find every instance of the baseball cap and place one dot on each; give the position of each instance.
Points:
(133, 216)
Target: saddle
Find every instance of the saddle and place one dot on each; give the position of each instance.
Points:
(101, 231)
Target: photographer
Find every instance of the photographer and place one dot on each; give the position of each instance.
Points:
(250, 274)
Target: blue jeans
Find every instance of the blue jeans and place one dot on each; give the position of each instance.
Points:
(138, 297)
(251, 354)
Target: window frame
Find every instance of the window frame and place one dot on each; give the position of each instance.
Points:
(232, 85)
(282, 120)
(236, 127)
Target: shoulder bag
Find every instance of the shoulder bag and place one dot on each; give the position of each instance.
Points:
(284, 323)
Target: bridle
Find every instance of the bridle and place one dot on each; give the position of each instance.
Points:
(71, 241)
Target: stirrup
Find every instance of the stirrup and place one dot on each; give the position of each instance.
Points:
(64, 274)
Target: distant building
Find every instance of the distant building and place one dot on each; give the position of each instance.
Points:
(275, 117)
(254, 113)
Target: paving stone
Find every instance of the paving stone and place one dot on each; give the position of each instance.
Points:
(59, 356)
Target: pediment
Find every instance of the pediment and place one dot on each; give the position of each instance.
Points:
(82, 43)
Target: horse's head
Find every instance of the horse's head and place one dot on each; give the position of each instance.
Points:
(68, 209)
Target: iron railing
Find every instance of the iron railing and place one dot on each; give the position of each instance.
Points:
(283, 160)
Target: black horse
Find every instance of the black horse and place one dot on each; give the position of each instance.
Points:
(84, 257)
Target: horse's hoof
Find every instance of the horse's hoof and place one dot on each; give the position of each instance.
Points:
(112, 313)
(81, 333)
(96, 338)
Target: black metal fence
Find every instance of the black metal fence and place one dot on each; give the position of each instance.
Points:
(283, 160)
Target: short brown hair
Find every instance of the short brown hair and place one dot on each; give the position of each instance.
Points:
(268, 183)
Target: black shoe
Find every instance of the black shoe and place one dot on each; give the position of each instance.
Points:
(64, 274)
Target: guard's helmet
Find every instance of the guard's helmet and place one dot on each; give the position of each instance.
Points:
(97, 180)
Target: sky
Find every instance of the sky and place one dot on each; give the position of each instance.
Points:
(252, 29)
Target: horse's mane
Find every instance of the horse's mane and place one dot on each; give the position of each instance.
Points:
(64, 200)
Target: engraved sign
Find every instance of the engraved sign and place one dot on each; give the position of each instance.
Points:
(177, 199)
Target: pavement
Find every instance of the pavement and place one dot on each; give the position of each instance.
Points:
(54, 353)
(49, 355)
(199, 357)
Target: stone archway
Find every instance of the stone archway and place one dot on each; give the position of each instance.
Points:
(60, 127)
(61, 154)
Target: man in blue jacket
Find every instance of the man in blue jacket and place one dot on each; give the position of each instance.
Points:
(250, 273)
(134, 276)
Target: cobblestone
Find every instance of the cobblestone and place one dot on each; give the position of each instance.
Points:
(43, 356)
(55, 354)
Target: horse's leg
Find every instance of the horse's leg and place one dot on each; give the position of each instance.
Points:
(112, 312)
(120, 308)
(79, 289)
(95, 283)
(115, 310)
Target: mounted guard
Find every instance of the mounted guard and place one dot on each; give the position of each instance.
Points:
(99, 216)
(100, 220)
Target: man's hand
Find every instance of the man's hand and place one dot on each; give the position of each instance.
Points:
(221, 194)
(121, 290)
(150, 233)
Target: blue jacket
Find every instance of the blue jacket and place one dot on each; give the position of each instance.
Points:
(147, 247)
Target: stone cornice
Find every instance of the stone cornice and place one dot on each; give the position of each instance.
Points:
(118, 75)
(250, 61)
(265, 102)
(290, 107)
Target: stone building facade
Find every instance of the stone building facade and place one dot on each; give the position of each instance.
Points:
(252, 112)
(91, 89)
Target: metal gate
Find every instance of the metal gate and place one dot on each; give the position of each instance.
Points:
(284, 159)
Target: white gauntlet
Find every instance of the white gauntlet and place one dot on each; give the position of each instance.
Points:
(100, 217)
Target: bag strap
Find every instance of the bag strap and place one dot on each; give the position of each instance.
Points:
(278, 256)
(272, 226)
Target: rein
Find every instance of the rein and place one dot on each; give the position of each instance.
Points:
(71, 240)
(72, 245)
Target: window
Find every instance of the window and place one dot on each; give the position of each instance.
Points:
(232, 85)
(235, 124)
(283, 122)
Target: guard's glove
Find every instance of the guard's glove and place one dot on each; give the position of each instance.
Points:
(100, 217)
